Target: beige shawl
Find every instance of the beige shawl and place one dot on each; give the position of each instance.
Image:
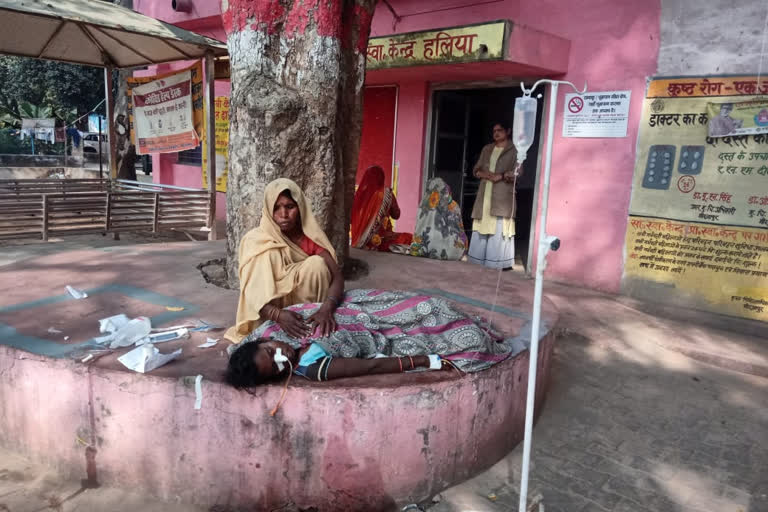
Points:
(270, 263)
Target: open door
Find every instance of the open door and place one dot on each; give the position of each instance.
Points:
(450, 134)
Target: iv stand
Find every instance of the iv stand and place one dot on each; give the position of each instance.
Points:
(546, 242)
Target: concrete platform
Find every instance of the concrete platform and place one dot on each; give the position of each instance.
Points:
(355, 444)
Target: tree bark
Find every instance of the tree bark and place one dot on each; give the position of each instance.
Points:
(297, 73)
(126, 150)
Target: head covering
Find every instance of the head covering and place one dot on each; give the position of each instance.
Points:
(269, 262)
(439, 232)
(268, 235)
(371, 206)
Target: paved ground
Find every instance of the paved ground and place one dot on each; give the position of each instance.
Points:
(632, 423)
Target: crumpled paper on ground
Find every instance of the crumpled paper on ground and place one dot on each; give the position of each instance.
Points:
(146, 358)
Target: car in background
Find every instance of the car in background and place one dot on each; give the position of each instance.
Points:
(91, 143)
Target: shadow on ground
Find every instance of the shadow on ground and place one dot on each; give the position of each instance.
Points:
(630, 425)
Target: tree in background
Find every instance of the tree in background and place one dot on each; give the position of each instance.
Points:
(62, 89)
(297, 72)
(66, 89)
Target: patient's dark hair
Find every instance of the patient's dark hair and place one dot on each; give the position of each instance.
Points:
(241, 372)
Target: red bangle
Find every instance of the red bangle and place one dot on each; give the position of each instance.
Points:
(401, 364)
(412, 365)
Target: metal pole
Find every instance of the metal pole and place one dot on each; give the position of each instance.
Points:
(536, 324)
(101, 166)
(111, 139)
(210, 137)
(546, 242)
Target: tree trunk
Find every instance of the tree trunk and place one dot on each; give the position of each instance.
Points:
(297, 72)
(126, 151)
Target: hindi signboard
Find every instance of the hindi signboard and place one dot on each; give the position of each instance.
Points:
(698, 220)
(162, 112)
(448, 45)
(596, 114)
(196, 71)
(221, 127)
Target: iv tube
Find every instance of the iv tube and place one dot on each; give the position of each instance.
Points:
(524, 126)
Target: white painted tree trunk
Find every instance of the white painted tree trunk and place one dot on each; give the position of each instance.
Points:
(297, 72)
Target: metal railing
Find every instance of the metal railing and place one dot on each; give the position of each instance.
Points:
(55, 207)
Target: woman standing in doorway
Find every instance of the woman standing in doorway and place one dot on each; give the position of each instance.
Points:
(493, 227)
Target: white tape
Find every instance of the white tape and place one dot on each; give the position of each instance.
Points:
(198, 392)
(280, 359)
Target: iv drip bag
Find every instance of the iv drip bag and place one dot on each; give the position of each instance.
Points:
(524, 125)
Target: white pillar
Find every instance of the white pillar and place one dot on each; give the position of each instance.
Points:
(210, 137)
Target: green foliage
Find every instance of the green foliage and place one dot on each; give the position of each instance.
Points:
(64, 91)
(11, 144)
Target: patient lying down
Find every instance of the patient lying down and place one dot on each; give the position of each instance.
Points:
(376, 331)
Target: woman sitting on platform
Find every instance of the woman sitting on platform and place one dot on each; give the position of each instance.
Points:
(286, 260)
(372, 209)
(377, 332)
(439, 230)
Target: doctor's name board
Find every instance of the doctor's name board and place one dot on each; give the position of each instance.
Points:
(448, 45)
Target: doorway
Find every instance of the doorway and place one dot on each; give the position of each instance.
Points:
(462, 121)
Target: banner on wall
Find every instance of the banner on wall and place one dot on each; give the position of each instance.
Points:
(222, 145)
(162, 112)
(743, 118)
(699, 209)
(196, 80)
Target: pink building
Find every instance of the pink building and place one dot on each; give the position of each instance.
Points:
(424, 119)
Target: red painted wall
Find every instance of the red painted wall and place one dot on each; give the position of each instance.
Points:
(378, 138)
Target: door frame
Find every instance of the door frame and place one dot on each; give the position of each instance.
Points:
(491, 84)
(434, 136)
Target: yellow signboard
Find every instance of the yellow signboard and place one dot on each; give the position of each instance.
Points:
(222, 145)
(449, 45)
(710, 194)
(725, 268)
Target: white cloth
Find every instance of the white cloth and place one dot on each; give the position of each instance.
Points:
(492, 251)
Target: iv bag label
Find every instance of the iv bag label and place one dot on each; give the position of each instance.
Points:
(596, 114)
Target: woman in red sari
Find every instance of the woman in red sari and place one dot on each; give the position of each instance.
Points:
(374, 205)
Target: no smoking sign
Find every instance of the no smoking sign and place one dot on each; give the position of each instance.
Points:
(575, 105)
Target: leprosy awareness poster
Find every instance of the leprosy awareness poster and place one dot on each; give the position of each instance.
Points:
(698, 218)
(162, 112)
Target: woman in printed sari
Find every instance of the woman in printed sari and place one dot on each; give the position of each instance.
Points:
(378, 332)
(439, 230)
(287, 260)
(374, 205)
